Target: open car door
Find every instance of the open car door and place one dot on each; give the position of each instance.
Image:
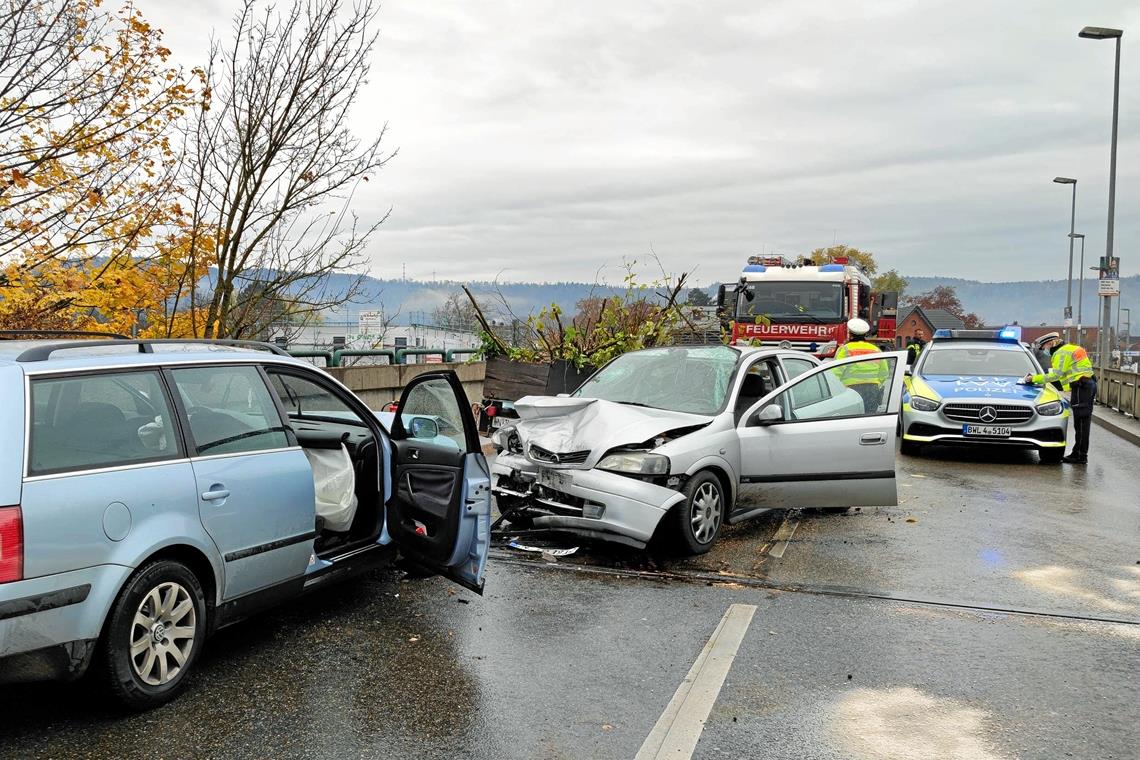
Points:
(440, 511)
(824, 439)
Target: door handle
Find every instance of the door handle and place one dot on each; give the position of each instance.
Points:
(216, 495)
(872, 439)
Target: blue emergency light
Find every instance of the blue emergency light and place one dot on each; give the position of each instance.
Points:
(833, 268)
(1010, 334)
(756, 268)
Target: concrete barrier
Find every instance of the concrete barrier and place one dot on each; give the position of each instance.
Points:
(377, 384)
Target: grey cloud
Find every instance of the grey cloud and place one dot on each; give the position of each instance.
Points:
(546, 139)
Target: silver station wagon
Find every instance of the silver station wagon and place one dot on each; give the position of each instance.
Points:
(154, 491)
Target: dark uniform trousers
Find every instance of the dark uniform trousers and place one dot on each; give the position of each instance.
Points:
(1083, 395)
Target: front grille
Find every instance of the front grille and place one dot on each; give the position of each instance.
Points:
(1003, 414)
(539, 454)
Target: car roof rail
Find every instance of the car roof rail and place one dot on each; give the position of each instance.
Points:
(10, 334)
(145, 345)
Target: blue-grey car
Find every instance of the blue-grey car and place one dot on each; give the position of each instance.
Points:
(152, 492)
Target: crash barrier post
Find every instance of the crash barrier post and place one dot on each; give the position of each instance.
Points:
(328, 356)
(339, 354)
(1119, 390)
(449, 357)
(402, 354)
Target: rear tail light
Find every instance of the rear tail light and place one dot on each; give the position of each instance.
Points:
(11, 544)
(491, 410)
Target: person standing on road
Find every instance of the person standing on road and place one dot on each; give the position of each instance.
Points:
(866, 378)
(1072, 369)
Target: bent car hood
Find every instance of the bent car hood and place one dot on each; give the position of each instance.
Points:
(585, 424)
(961, 388)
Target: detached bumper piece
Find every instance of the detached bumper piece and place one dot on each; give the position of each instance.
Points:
(61, 662)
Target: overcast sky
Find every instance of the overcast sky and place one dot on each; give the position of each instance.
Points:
(544, 139)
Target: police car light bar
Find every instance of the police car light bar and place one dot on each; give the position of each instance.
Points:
(1011, 334)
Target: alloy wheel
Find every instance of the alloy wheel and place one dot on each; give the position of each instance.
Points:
(163, 633)
(706, 512)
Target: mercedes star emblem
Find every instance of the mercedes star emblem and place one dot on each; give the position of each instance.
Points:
(987, 414)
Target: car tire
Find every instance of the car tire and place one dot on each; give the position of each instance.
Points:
(910, 448)
(145, 663)
(698, 519)
(1051, 456)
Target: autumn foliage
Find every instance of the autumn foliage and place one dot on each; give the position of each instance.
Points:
(89, 212)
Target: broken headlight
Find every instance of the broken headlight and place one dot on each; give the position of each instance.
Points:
(507, 439)
(635, 463)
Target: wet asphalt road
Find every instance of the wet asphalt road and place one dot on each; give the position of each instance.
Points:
(968, 622)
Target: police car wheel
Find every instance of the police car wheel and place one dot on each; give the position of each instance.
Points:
(1051, 456)
(910, 448)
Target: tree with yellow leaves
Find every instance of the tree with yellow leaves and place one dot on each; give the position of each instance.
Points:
(88, 199)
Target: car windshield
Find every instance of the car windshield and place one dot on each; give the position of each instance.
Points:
(792, 300)
(693, 380)
(977, 362)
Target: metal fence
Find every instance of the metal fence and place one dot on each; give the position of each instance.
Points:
(1119, 390)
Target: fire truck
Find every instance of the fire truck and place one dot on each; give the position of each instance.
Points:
(803, 305)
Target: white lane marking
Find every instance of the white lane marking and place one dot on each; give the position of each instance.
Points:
(679, 728)
(783, 536)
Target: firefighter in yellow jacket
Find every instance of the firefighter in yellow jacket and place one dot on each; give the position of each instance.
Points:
(1072, 369)
(865, 378)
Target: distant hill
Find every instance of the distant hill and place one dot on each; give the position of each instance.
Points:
(1027, 302)
(1030, 302)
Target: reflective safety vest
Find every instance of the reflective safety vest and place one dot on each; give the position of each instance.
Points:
(862, 373)
(1070, 363)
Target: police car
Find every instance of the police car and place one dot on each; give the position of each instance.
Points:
(964, 389)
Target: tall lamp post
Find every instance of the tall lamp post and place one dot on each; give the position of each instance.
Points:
(1100, 33)
(1080, 288)
(1072, 228)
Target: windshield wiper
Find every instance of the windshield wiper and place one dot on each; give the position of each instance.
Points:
(637, 403)
(814, 318)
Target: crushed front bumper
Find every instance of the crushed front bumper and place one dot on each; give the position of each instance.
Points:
(627, 510)
(935, 427)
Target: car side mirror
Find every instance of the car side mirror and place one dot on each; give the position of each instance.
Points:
(720, 296)
(769, 414)
(423, 428)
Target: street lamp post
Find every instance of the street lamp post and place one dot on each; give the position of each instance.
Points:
(1100, 33)
(1125, 344)
(1080, 289)
(1072, 228)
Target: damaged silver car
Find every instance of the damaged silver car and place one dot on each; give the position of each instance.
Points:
(684, 439)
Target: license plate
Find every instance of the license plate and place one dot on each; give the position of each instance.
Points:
(555, 479)
(498, 422)
(990, 431)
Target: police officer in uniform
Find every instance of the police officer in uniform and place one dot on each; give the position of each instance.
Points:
(1072, 369)
(868, 378)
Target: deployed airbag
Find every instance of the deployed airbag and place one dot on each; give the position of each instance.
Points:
(335, 482)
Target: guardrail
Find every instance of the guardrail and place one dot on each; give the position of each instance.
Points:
(1118, 390)
(394, 356)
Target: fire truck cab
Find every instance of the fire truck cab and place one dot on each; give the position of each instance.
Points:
(804, 306)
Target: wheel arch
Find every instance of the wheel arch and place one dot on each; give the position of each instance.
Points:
(721, 470)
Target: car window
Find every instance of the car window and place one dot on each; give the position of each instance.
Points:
(691, 379)
(229, 409)
(977, 362)
(99, 421)
(796, 367)
(810, 391)
(848, 390)
(306, 399)
(431, 413)
(760, 379)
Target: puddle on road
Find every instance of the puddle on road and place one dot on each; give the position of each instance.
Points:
(905, 723)
(1119, 592)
